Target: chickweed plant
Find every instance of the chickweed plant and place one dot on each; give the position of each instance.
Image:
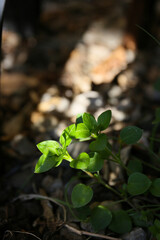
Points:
(139, 193)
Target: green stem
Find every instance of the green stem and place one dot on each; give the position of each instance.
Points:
(151, 166)
(153, 135)
(99, 180)
(67, 157)
(117, 159)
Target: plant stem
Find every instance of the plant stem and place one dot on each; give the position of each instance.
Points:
(99, 180)
(116, 159)
(154, 130)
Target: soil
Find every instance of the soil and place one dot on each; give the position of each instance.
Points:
(80, 59)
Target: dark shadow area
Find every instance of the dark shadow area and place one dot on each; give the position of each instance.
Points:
(61, 58)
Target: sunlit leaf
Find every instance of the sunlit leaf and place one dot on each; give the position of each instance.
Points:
(95, 163)
(82, 131)
(67, 135)
(81, 162)
(48, 161)
(49, 145)
(89, 121)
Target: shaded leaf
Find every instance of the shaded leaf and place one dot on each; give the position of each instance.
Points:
(100, 217)
(155, 187)
(121, 222)
(104, 120)
(131, 134)
(138, 183)
(81, 195)
(99, 144)
(79, 118)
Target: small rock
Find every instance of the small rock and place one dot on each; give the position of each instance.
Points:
(118, 115)
(136, 234)
(128, 79)
(88, 101)
(115, 92)
(56, 103)
(125, 104)
(23, 145)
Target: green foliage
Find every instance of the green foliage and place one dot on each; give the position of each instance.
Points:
(121, 222)
(138, 183)
(155, 187)
(82, 203)
(82, 131)
(81, 162)
(104, 120)
(100, 217)
(155, 229)
(99, 144)
(67, 135)
(81, 195)
(140, 219)
(131, 134)
(95, 163)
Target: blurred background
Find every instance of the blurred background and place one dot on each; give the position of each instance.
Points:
(61, 58)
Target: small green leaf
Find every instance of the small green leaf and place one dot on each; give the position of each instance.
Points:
(138, 183)
(79, 118)
(82, 131)
(49, 145)
(104, 120)
(67, 135)
(99, 144)
(100, 217)
(48, 161)
(134, 165)
(131, 134)
(95, 163)
(81, 195)
(89, 121)
(155, 187)
(81, 162)
(121, 222)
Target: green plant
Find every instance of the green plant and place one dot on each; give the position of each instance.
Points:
(130, 193)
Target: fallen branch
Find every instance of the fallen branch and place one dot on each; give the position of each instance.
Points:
(81, 232)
